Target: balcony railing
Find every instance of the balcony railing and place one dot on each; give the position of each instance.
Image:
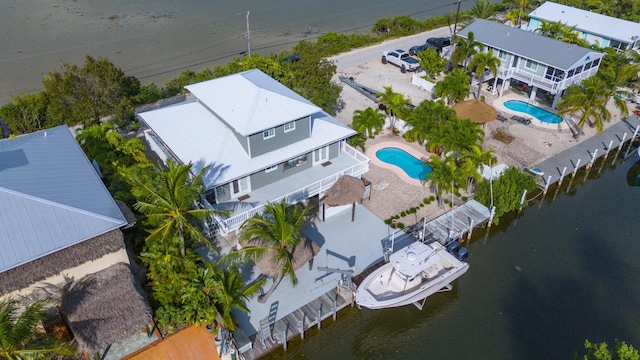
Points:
(541, 82)
(233, 223)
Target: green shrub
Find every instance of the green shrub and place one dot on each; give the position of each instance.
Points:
(403, 214)
(400, 225)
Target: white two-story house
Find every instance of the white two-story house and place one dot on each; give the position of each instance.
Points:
(262, 141)
(596, 29)
(535, 60)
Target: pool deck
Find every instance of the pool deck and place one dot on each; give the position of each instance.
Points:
(499, 105)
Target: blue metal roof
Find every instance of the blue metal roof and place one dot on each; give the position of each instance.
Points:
(50, 197)
(527, 44)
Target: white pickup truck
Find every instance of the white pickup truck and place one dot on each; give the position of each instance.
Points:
(401, 59)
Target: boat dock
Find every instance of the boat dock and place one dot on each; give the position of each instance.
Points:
(453, 224)
(584, 154)
(273, 334)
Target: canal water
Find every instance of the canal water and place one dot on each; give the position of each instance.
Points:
(563, 270)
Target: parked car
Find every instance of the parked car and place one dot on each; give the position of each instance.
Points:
(415, 50)
(401, 59)
(439, 43)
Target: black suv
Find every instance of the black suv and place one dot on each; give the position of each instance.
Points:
(439, 43)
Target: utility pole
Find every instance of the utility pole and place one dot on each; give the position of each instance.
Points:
(455, 27)
(249, 36)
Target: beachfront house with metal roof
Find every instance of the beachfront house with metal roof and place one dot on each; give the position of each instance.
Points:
(60, 230)
(58, 222)
(605, 31)
(261, 141)
(533, 60)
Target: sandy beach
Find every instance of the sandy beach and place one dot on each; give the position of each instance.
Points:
(157, 40)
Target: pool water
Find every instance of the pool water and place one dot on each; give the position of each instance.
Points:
(540, 114)
(413, 167)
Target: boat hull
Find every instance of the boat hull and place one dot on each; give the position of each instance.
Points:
(371, 292)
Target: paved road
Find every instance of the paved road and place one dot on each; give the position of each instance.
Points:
(357, 57)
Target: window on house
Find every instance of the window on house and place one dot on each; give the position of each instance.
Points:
(271, 168)
(240, 186)
(502, 55)
(531, 65)
(578, 70)
(596, 62)
(290, 126)
(570, 73)
(267, 134)
(587, 66)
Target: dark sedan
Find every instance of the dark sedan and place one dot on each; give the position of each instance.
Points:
(415, 50)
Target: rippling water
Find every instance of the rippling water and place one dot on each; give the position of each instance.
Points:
(542, 282)
(156, 40)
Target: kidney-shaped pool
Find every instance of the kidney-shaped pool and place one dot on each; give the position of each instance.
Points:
(413, 167)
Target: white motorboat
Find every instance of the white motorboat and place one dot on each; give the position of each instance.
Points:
(412, 274)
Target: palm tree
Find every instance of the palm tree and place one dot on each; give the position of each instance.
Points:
(19, 335)
(460, 135)
(465, 48)
(454, 87)
(357, 141)
(552, 29)
(615, 80)
(368, 121)
(589, 98)
(482, 61)
(167, 198)
(474, 157)
(232, 292)
(426, 117)
(396, 105)
(481, 9)
(444, 177)
(478, 156)
(279, 228)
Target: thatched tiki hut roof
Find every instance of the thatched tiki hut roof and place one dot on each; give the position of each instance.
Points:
(303, 253)
(105, 307)
(475, 110)
(346, 190)
(53, 264)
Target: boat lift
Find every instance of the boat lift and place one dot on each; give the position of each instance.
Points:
(346, 282)
(420, 305)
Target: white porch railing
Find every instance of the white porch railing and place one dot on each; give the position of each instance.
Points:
(233, 223)
(542, 82)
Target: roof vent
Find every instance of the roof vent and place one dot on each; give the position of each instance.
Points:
(45, 134)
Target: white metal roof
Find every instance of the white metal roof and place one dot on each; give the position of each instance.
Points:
(194, 135)
(588, 22)
(252, 101)
(50, 197)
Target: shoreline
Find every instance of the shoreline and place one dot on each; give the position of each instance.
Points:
(156, 43)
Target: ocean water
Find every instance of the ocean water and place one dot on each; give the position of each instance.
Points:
(155, 40)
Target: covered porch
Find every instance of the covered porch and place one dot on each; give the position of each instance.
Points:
(295, 188)
(550, 83)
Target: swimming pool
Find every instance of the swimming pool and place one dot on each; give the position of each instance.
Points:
(413, 167)
(540, 114)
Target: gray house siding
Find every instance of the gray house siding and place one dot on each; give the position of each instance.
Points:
(259, 145)
(263, 178)
(541, 69)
